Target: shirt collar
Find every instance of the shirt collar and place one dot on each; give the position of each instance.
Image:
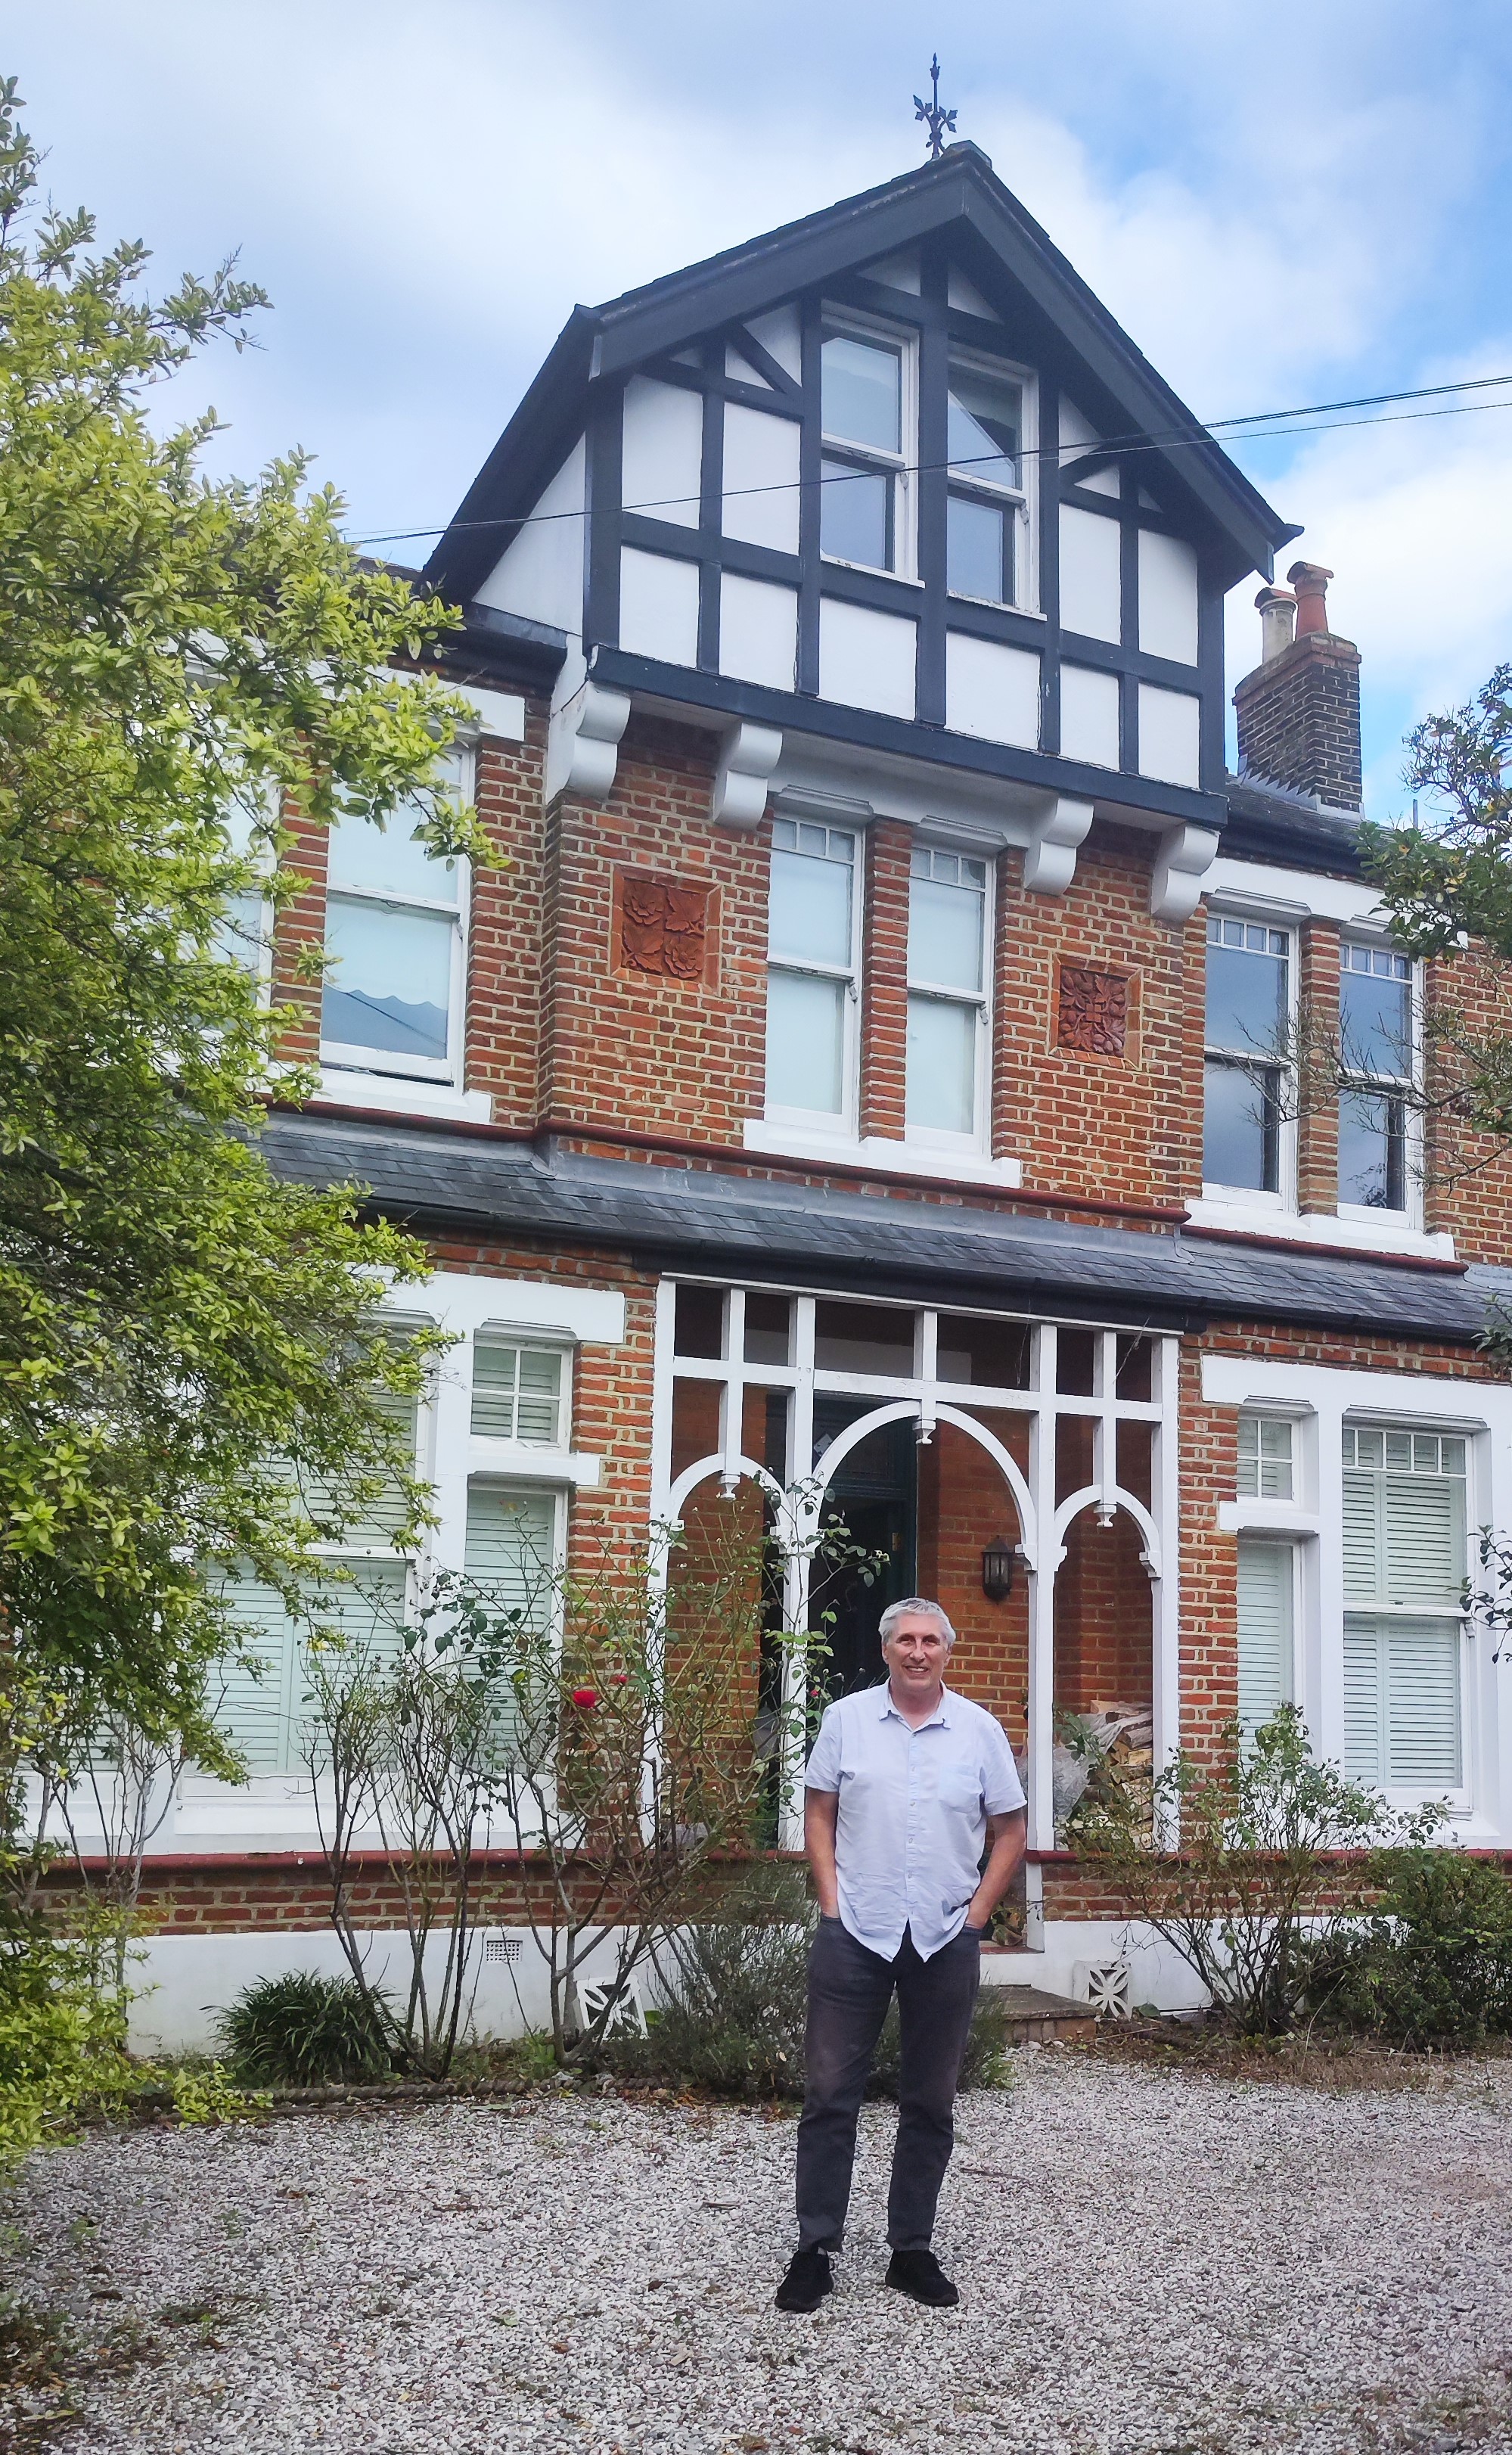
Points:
(939, 1716)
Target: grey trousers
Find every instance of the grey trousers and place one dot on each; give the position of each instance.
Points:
(849, 1992)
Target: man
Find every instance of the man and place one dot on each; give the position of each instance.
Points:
(905, 1784)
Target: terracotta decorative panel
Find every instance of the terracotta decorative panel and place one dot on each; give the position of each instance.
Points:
(1093, 1010)
(663, 926)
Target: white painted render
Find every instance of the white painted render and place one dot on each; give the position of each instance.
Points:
(1167, 596)
(662, 453)
(867, 659)
(1089, 715)
(1090, 600)
(1168, 735)
(540, 572)
(1078, 434)
(992, 690)
(760, 479)
(759, 631)
(739, 369)
(779, 336)
(658, 606)
(965, 294)
(898, 272)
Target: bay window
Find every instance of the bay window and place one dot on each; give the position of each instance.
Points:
(863, 467)
(1376, 1048)
(394, 923)
(1248, 1018)
(1404, 1572)
(811, 976)
(947, 996)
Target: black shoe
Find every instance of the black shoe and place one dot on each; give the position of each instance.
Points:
(807, 2281)
(920, 2274)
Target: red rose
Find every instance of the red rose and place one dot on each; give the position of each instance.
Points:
(585, 1696)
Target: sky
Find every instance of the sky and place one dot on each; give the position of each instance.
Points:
(1283, 204)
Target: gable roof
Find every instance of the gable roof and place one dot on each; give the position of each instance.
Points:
(960, 193)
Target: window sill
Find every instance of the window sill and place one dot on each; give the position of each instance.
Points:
(403, 1095)
(880, 1156)
(524, 1463)
(1251, 1516)
(1366, 1233)
(995, 605)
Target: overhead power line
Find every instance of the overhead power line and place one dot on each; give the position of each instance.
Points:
(1140, 439)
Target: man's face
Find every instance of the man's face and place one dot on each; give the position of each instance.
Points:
(916, 1654)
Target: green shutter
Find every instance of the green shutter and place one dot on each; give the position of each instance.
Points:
(1361, 1537)
(1425, 1539)
(1363, 1751)
(267, 1717)
(1401, 1702)
(1264, 1630)
(511, 1542)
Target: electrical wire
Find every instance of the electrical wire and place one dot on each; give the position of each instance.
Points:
(1142, 439)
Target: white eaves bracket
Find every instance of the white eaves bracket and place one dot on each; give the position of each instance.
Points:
(746, 758)
(1055, 837)
(582, 748)
(1186, 855)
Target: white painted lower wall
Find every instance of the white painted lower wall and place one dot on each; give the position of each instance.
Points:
(186, 1981)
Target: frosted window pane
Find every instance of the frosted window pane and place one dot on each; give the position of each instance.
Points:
(391, 984)
(811, 909)
(945, 935)
(941, 1066)
(805, 1043)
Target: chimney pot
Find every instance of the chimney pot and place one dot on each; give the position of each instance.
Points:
(1277, 613)
(1311, 582)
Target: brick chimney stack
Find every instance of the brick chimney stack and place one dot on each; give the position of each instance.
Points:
(1298, 710)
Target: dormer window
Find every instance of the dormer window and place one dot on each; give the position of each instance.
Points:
(986, 506)
(864, 395)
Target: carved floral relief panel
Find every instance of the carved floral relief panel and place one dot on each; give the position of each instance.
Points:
(663, 926)
(1093, 1011)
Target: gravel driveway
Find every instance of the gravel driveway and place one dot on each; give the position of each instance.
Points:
(1148, 2261)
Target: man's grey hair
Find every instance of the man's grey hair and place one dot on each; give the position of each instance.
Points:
(913, 1607)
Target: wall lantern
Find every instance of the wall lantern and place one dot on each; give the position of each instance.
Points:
(997, 1565)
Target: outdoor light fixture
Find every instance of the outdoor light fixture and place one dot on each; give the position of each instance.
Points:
(998, 1564)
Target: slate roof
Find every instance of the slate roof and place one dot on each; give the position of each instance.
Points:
(444, 1181)
(1269, 822)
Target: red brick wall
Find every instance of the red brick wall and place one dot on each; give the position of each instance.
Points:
(1126, 1127)
(1317, 1127)
(884, 980)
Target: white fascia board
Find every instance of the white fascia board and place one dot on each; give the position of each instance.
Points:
(1298, 894)
(463, 1301)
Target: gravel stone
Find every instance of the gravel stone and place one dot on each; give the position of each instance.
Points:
(1151, 2263)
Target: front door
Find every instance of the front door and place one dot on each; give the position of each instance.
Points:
(875, 1495)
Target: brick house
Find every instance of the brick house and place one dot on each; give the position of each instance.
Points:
(872, 1070)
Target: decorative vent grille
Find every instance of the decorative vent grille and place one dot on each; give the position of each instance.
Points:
(501, 1947)
(1105, 1988)
(626, 2018)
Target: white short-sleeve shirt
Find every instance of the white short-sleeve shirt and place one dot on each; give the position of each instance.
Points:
(913, 1813)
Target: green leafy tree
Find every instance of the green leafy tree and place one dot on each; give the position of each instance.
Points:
(1446, 882)
(193, 1366)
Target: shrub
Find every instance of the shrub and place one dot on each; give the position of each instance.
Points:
(1432, 1966)
(62, 2034)
(735, 1991)
(1266, 1864)
(299, 2029)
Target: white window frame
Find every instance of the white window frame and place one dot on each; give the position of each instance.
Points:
(900, 465)
(935, 1137)
(823, 1121)
(1411, 1214)
(350, 1057)
(503, 1333)
(1249, 1197)
(1025, 599)
(1288, 1499)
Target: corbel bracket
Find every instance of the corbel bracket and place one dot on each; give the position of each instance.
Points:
(1186, 855)
(582, 751)
(747, 757)
(1055, 836)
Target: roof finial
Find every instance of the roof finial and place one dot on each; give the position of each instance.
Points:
(935, 120)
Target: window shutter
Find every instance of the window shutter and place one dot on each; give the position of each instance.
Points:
(1361, 1700)
(1422, 1702)
(1361, 1540)
(1424, 1545)
(254, 1713)
(1264, 1630)
(518, 1392)
(510, 1544)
